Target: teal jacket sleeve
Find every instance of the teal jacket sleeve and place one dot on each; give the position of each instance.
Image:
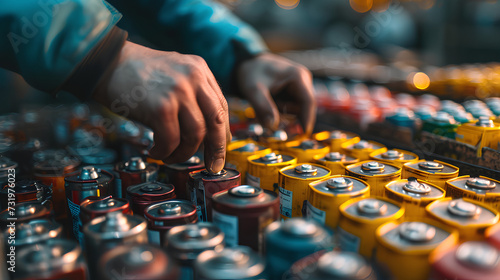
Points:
(47, 40)
(200, 27)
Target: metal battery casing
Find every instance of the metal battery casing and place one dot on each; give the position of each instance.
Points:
(146, 194)
(165, 215)
(243, 213)
(133, 172)
(235, 263)
(362, 149)
(335, 161)
(305, 150)
(414, 195)
(492, 234)
(263, 170)
(331, 265)
(32, 232)
(137, 261)
(178, 175)
(54, 260)
(467, 261)
(291, 241)
(336, 138)
(238, 152)
(277, 141)
(482, 133)
(483, 189)
(441, 124)
(185, 243)
(203, 185)
(471, 218)
(88, 182)
(23, 213)
(326, 195)
(375, 173)
(294, 186)
(404, 248)
(93, 207)
(104, 233)
(435, 172)
(360, 217)
(395, 157)
(27, 191)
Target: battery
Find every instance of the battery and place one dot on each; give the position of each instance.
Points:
(305, 150)
(185, 243)
(291, 240)
(326, 195)
(238, 153)
(165, 215)
(483, 189)
(332, 265)
(482, 133)
(435, 172)
(468, 261)
(277, 141)
(243, 212)
(469, 217)
(203, 185)
(99, 157)
(54, 260)
(402, 117)
(33, 232)
(335, 161)
(375, 174)
(88, 182)
(133, 172)
(143, 195)
(294, 185)
(360, 217)
(362, 149)
(93, 207)
(404, 248)
(137, 261)
(23, 213)
(26, 191)
(106, 232)
(493, 235)
(336, 138)
(263, 171)
(414, 195)
(395, 157)
(237, 263)
(178, 174)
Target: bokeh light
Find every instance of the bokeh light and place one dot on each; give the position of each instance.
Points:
(287, 4)
(361, 6)
(421, 81)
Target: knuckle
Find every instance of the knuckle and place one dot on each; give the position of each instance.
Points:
(217, 117)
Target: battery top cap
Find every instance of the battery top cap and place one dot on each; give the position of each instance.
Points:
(88, 173)
(417, 231)
(478, 254)
(344, 265)
(135, 164)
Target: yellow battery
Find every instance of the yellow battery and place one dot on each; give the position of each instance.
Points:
(471, 218)
(326, 195)
(404, 248)
(435, 172)
(414, 195)
(305, 150)
(335, 161)
(238, 153)
(362, 149)
(336, 138)
(395, 157)
(263, 171)
(294, 185)
(360, 217)
(375, 173)
(482, 133)
(278, 140)
(480, 188)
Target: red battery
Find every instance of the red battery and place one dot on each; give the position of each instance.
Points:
(93, 207)
(165, 215)
(178, 174)
(27, 191)
(472, 260)
(243, 212)
(203, 185)
(23, 213)
(143, 195)
(134, 172)
(493, 235)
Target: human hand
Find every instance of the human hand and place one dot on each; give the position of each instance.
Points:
(176, 96)
(270, 82)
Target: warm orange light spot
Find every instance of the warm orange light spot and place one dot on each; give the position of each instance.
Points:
(249, 113)
(361, 6)
(421, 80)
(287, 4)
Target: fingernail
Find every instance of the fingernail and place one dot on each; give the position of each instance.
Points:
(217, 165)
